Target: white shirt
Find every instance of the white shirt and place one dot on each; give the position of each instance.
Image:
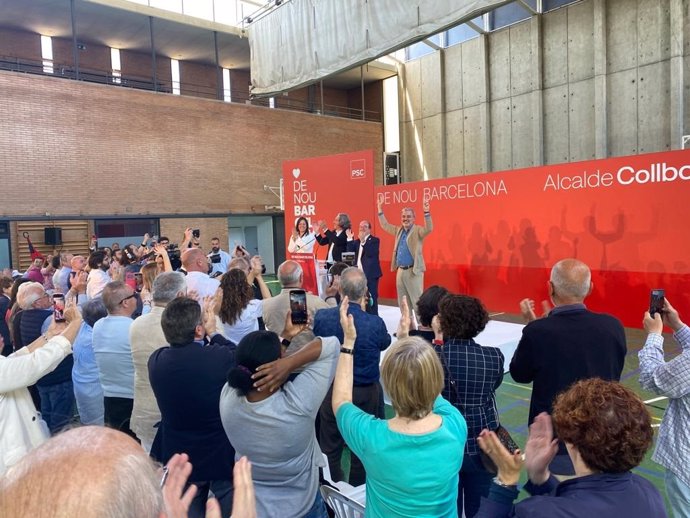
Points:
(96, 282)
(302, 245)
(222, 266)
(245, 324)
(202, 284)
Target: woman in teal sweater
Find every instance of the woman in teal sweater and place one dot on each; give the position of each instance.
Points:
(412, 461)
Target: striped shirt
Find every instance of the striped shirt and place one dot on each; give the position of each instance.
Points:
(477, 372)
(671, 379)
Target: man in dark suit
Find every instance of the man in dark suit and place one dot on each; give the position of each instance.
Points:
(336, 239)
(366, 249)
(187, 379)
(569, 344)
(367, 394)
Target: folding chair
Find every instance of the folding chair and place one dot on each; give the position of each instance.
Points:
(342, 505)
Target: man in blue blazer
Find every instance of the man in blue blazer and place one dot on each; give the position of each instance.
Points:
(366, 249)
(367, 394)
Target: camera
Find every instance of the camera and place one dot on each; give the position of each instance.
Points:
(173, 250)
(196, 233)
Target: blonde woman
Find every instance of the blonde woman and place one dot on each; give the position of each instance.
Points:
(412, 460)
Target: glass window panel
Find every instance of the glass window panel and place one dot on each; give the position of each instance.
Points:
(417, 50)
(168, 5)
(555, 4)
(199, 8)
(125, 231)
(507, 15)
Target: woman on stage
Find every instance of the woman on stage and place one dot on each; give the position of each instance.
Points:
(301, 240)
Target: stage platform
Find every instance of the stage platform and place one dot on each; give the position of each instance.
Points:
(503, 335)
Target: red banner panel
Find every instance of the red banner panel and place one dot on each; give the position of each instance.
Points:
(320, 188)
(497, 235)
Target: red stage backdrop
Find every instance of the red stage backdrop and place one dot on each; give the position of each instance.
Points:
(320, 188)
(497, 235)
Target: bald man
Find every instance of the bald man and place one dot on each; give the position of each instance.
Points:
(97, 472)
(568, 344)
(195, 263)
(87, 472)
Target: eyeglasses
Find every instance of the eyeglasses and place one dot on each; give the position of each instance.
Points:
(127, 298)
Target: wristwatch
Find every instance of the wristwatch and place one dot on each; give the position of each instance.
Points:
(346, 350)
(499, 482)
(285, 342)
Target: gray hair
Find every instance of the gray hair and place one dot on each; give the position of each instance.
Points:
(167, 286)
(344, 221)
(289, 273)
(240, 263)
(353, 283)
(129, 488)
(28, 293)
(571, 279)
(93, 310)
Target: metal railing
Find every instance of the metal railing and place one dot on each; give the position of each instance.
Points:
(186, 88)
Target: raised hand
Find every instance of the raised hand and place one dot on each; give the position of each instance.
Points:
(508, 464)
(670, 316)
(527, 310)
(540, 448)
(347, 322)
(404, 324)
(176, 499)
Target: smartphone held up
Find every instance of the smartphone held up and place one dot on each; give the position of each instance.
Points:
(298, 307)
(656, 302)
(59, 307)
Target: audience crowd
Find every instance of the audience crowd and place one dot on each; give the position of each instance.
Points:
(183, 357)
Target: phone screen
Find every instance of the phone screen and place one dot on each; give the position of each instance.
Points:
(59, 307)
(656, 302)
(139, 280)
(298, 306)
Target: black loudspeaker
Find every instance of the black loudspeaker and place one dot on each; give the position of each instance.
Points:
(53, 235)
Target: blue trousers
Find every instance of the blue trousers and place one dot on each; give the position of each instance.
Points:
(57, 405)
(473, 484)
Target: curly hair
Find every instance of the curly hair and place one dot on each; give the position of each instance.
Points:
(461, 316)
(427, 305)
(237, 293)
(607, 423)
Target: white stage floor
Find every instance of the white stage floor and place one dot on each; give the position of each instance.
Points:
(503, 335)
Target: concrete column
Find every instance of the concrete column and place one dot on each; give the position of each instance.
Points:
(485, 107)
(677, 79)
(442, 92)
(600, 84)
(537, 70)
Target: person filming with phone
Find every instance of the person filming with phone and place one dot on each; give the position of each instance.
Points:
(55, 388)
(218, 258)
(275, 309)
(671, 379)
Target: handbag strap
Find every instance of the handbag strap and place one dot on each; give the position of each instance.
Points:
(451, 383)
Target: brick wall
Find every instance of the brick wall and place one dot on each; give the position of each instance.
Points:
(80, 149)
(174, 228)
(198, 80)
(20, 44)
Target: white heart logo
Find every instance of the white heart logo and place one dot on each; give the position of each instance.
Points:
(296, 173)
